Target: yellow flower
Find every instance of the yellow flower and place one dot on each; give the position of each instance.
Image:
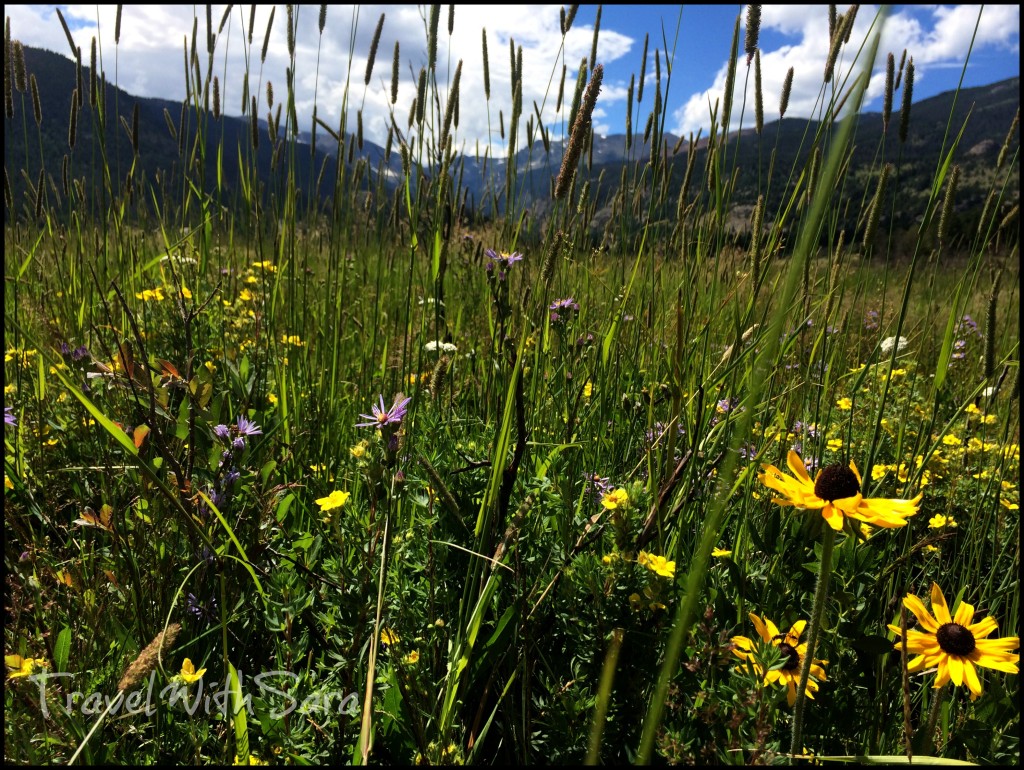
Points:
(245, 295)
(359, 450)
(938, 521)
(951, 440)
(792, 653)
(18, 666)
(292, 339)
(412, 658)
(955, 644)
(267, 265)
(388, 636)
(721, 553)
(899, 373)
(147, 294)
(336, 499)
(588, 389)
(189, 673)
(657, 564)
(617, 498)
(835, 444)
(990, 419)
(972, 409)
(845, 404)
(186, 292)
(836, 491)
(878, 472)
(271, 399)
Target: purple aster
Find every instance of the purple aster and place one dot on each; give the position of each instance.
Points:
(247, 427)
(222, 432)
(382, 416)
(503, 261)
(9, 418)
(562, 309)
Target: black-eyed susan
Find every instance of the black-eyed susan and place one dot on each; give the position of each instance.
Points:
(792, 653)
(955, 644)
(836, 491)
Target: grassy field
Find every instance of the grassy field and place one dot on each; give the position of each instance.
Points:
(369, 477)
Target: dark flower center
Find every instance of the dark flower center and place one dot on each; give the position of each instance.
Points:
(792, 656)
(836, 482)
(954, 639)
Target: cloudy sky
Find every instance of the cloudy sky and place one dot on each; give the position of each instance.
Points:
(692, 43)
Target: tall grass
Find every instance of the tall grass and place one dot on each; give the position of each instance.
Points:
(545, 553)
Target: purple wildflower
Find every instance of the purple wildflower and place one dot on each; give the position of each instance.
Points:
(562, 310)
(247, 427)
(9, 418)
(871, 320)
(501, 262)
(222, 432)
(382, 416)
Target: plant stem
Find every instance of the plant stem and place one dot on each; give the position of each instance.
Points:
(828, 542)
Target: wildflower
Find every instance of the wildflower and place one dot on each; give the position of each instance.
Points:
(845, 404)
(954, 643)
(659, 565)
(267, 265)
(359, 450)
(562, 310)
(147, 294)
(498, 264)
(951, 440)
(412, 658)
(189, 673)
(834, 444)
(792, 653)
(382, 417)
(292, 339)
(889, 343)
(836, 491)
(9, 418)
(19, 666)
(721, 553)
(245, 295)
(878, 471)
(336, 499)
(617, 498)
(938, 521)
(271, 399)
(973, 409)
(438, 345)
(388, 636)
(588, 389)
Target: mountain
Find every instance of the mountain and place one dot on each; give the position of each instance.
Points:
(167, 145)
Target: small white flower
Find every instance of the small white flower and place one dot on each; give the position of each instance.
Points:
(889, 342)
(445, 347)
(989, 391)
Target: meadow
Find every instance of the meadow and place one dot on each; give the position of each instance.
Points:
(305, 474)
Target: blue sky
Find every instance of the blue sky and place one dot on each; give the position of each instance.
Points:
(149, 57)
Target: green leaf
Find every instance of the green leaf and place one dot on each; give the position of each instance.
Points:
(62, 650)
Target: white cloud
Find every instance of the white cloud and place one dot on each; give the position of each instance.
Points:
(150, 58)
(936, 37)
